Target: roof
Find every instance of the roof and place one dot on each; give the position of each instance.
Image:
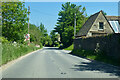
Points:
(113, 18)
(85, 28)
(115, 25)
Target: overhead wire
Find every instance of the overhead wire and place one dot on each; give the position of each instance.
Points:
(44, 13)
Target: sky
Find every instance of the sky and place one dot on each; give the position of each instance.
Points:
(70, 0)
(47, 12)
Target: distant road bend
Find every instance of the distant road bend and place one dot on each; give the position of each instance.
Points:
(51, 62)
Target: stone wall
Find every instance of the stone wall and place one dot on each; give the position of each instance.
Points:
(110, 44)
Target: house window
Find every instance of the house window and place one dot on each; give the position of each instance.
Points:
(101, 25)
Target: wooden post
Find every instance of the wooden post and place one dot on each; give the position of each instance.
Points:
(28, 22)
(75, 25)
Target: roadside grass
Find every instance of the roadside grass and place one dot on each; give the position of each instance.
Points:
(96, 56)
(11, 51)
(69, 48)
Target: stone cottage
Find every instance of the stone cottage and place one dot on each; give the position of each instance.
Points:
(98, 25)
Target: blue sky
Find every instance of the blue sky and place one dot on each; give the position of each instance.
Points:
(47, 12)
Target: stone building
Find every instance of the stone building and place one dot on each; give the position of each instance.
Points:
(98, 25)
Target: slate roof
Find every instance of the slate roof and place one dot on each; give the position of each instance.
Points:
(85, 28)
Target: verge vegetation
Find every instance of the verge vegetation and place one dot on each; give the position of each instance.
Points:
(69, 48)
(11, 51)
(98, 56)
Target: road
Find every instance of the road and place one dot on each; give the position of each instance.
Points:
(54, 63)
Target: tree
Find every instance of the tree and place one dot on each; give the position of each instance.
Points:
(35, 34)
(104, 13)
(48, 41)
(65, 22)
(42, 29)
(14, 19)
(54, 37)
(38, 35)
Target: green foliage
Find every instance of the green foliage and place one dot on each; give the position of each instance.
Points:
(44, 38)
(95, 56)
(104, 13)
(38, 35)
(57, 44)
(11, 51)
(14, 17)
(69, 48)
(65, 22)
(15, 27)
(3, 40)
(41, 45)
(43, 30)
(55, 39)
(48, 41)
(35, 34)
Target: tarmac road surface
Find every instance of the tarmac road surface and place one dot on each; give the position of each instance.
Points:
(51, 62)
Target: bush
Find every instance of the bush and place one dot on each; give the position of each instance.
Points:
(3, 39)
(41, 45)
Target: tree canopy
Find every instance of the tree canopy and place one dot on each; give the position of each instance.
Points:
(38, 35)
(15, 25)
(14, 18)
(55, 38)
(65, 22)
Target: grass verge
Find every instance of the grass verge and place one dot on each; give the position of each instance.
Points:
(69, 48)
(96, 56)
(11, 51)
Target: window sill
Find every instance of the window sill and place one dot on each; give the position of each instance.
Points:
(101, 29)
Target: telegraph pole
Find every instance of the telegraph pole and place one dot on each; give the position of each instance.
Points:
(75, 25)
(28, 23)
(28, 17)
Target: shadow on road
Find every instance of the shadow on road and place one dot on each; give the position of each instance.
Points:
(51, 48)
(97, 66)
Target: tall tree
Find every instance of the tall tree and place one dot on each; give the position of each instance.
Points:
(42, 29)
(35, 34)
(43, 33)
(65, 22)
(38, 35)
(14, 18)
